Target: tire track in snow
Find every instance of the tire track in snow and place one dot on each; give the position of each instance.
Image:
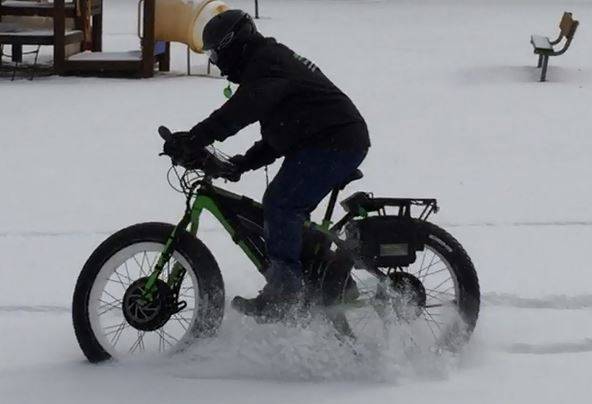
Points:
(552, 348)
(556, 302)
(557, 223)
(74, 233)
(35, 309)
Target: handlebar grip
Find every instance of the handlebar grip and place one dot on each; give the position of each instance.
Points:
(165, 133)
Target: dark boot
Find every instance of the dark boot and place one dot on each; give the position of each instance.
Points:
(268, 306)
(278, 298)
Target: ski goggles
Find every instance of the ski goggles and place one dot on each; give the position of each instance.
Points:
(214, 54)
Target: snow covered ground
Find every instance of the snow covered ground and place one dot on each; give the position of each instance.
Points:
(450, 93)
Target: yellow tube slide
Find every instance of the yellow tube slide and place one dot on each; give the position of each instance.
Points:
(184, 20)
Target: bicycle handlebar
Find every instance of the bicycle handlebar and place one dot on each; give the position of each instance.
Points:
(205, 160)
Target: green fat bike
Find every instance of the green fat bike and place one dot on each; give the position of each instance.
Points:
(154, 288)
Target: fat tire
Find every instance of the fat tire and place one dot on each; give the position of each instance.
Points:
(201, 262)
(466, 275)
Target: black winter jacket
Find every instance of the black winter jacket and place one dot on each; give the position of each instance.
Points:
(295, 103)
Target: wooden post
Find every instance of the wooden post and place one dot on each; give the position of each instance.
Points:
(59, 35)
(188, 60)
(97, 29)
(257, 9)
(164, 59)
(148, 39)
(17, 53)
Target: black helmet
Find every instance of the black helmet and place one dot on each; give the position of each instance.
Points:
(225, 33)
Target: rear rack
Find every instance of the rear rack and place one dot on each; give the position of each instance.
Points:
(362, 203)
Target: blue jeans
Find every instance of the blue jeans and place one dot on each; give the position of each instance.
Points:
(302, 182)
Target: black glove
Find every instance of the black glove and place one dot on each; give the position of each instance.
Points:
(183, 148)
(236, 168)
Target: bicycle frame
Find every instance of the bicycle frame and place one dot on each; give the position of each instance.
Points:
(240, 216)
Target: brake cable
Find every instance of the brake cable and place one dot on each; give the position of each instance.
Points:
(266, 176)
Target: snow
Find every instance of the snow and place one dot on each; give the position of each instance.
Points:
(449, 89)
(108, 56)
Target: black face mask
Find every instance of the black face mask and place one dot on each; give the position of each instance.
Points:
(229, 59)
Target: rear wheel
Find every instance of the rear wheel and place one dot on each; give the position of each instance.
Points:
(110, 318)
(435, 300)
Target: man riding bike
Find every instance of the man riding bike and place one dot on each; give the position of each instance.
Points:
(304, 118)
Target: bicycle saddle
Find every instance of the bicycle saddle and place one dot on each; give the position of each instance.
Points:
(356, 175)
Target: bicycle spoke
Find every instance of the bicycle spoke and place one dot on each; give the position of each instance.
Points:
(145, 260)
(160, 341)
(442, 283)
(430, 327)
(139, 266)
(181, 323)
(431, 306)
(127, 272)
(118, 333)
(422, 260)
(436, 323)
(429, 265)
(139, 342)
(116, 282)
(111, 327)
(433, 273)
(111, 296)
(169, 335)
(108, 306)
(179, 317)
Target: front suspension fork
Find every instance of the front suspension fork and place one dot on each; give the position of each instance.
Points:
(177, 274)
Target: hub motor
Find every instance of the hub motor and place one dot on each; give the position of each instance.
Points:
(147, 315)
(407, 294)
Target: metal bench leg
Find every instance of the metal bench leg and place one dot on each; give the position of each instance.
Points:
(17, 53)
(35, 63)
(544, 71)
(540, 63)
(14, 71)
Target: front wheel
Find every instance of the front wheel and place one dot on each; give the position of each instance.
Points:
(108, 320)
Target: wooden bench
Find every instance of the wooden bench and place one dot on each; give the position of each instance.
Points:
(545, 47)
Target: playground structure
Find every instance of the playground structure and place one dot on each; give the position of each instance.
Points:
(75, 28)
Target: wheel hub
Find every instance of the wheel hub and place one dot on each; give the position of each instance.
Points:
(408, 295)
(143, 314)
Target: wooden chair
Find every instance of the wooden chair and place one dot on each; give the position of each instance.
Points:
(545, 47)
